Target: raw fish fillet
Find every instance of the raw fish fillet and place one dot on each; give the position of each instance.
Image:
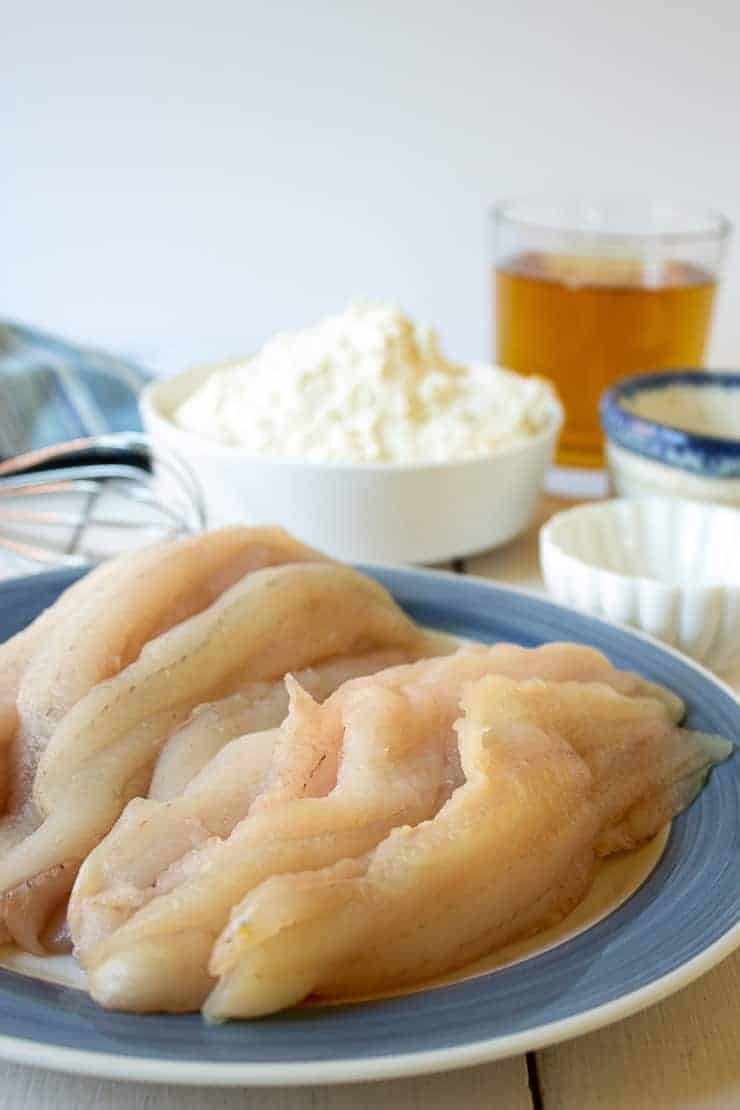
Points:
(392, 739)
(148, 593)
(145, 850)
(261, 706)
(17, 652)
(102, 753)
(551, 772)
(154, 846)
(96, 628)
(308, 812)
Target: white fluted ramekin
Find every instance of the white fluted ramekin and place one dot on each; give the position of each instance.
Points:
(668, 567)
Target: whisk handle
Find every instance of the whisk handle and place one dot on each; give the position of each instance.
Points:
(122, 448)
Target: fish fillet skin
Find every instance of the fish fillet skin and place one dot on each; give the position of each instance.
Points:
(133, 966)
(102, 753)
(264, 705)
(549, 769)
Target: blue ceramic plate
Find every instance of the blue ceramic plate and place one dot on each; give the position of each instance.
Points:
(682, 920)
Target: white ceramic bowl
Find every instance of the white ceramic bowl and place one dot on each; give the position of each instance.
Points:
(668, 567)
(385, 513)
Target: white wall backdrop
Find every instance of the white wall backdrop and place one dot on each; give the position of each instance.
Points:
(181, 178)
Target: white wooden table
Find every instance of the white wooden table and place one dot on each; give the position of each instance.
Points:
(681, 1054)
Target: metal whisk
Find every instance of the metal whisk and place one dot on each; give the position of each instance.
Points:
(78, 502)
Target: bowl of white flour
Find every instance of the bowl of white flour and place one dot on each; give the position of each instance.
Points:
(360, 436)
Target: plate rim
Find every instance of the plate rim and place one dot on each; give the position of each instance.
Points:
(170, 1070)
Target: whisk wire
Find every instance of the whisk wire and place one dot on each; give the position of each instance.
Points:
(67, 486)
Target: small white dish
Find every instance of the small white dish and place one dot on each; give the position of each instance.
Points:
(361, 512)
(668, 567)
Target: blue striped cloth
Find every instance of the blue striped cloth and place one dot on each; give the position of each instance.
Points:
(52, 390)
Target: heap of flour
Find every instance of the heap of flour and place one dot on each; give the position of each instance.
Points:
(366, 386)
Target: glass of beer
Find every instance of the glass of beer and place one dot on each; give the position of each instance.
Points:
(588, 291)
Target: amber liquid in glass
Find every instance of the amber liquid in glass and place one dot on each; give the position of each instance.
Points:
(585, 322)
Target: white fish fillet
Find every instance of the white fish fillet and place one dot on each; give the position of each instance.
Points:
(152, 845)
(550, 771)
(16, 654)
(102, 753)
(263, 705)
(148, 592)
(97, 626)
(137, 966)
(142, 855)
(297, 818)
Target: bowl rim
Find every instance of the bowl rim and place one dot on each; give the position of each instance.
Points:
(152, 415)
(606, 508)
(698, 452)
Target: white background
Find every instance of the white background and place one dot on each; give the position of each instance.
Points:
(181, 179)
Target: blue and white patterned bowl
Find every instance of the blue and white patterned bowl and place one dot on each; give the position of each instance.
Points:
(650, 454)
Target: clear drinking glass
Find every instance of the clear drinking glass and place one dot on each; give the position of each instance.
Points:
(589, 290)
